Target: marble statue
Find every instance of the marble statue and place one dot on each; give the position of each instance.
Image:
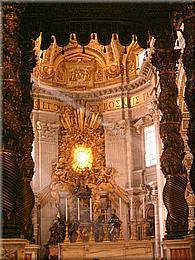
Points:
(114, 224)
(57, 231)
(73, 231)
(99, 228)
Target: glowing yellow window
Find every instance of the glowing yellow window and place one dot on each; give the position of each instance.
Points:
(82, 157)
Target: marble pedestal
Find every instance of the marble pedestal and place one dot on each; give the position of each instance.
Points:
(16, 248)
(105, 250)
(177, 249)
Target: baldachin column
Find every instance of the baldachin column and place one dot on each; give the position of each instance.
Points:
(189, 65)
(164, 59)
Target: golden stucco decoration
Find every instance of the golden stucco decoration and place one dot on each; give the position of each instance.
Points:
(82, 128)
(74, 68)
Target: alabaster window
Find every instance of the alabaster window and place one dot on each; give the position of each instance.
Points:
(141, 57)
(150, 145)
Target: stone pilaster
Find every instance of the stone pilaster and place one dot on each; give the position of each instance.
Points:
(164, 59)
(46, 126)
(189, 65)
(115, 145)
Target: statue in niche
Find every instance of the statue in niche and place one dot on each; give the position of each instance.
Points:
(114, 224)
(73, 231)
(57, 231)
(99, 228)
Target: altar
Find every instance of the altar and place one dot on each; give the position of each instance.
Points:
(105, 250)
(95, 217)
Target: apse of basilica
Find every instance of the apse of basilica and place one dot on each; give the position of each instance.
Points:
(97, 153)
(97, 144)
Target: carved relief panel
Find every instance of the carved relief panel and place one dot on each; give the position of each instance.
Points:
(115, 128)
(80, 72)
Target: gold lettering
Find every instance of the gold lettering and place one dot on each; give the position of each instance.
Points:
(45, 106)
(55, 106)
(48, 104)
(134, 101)
(98, 107)
(118, 103)
(105, 106)
(61, 108)
(94, 107)
(125, 102)
(111, 104)
(36, 104)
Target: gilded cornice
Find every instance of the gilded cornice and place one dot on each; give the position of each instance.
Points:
(114, 91)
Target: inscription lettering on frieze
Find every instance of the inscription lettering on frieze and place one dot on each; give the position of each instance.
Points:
(96, 106)
(117, 103)
(46, 105)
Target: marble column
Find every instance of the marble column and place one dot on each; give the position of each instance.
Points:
(164, 59)
(189, 65)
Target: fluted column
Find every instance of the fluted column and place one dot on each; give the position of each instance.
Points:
(164, 59)
(189, 65)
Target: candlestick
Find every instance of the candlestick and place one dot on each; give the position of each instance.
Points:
(90, 209)
(131, 207)
(78, 209)
(120, 208)
(143, 204)
(66, 210)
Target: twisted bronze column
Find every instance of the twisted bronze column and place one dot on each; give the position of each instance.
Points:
(164, 59)
(189, 66)
(25, 161)
(18, 61)
(12, 99)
